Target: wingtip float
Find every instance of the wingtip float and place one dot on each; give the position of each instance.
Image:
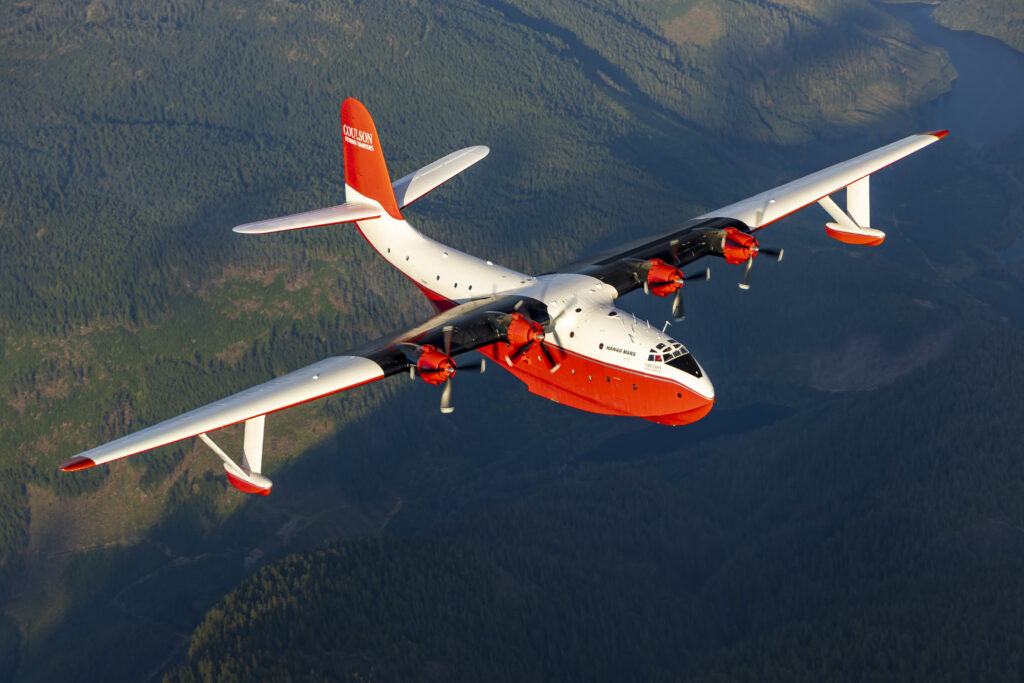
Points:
(560, 333)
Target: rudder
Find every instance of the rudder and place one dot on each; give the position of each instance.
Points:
(365, 169)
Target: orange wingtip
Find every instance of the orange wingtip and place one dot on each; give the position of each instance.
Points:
(939, 133)
(77, 463)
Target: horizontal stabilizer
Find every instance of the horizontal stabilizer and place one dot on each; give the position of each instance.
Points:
(343, 213)
(413, 186)
(407, 190)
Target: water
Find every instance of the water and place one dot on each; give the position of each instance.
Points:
(987, 99)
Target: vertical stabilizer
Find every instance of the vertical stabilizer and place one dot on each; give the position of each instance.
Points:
(365, 169)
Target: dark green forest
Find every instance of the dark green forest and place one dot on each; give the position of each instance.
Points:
(847, 510)
(843, 543)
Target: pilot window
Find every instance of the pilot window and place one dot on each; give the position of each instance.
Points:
(676, 355)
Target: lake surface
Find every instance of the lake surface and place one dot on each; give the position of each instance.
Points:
(987, 99)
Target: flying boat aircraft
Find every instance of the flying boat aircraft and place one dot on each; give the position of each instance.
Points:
(560, 333)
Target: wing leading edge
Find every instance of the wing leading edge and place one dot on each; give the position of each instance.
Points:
(777, 203)
(315, 381)
(728, 232)
(459, 329)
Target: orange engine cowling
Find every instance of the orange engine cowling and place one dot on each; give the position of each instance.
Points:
(522, 331)
(433, 366)
(663, 279)
(738, 246)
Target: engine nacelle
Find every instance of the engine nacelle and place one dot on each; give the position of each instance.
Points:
(434, 366)
(738, 247)
(663, 279)
(522, 331)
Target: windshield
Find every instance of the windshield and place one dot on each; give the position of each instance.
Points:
(676, 355)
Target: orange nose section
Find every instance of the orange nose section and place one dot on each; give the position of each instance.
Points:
(695, 409)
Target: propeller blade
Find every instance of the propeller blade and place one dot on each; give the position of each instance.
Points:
(552, 365)
(777, 253)
(412, 371)
(447, 330)
(446, 398)
(697, 277)
(677, 305)
(518, 352)
(480, 365)
(553, 330)
(745, 282)
(554, 335)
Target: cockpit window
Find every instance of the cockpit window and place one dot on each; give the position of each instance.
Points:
(687, 364)
(667, 351)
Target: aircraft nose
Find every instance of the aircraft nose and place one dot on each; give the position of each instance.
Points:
(700, 383)
(704, 387)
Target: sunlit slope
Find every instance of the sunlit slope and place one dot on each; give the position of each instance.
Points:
(878, 535)
(136, 137)
(1002, 19)
(139, 137)
(778, 72)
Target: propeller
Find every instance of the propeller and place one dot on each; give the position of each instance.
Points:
(677, 303)
(745, 280)
(446, 396)
(740, 247)
(436, 366)
(662, 279)
(524, 333)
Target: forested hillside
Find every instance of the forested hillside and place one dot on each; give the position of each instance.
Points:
(134, 135)
(1002, 19)
(877, 538)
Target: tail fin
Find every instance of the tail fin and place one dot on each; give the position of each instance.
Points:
(365, 169)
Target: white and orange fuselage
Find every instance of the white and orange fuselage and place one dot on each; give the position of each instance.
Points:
(609, 361)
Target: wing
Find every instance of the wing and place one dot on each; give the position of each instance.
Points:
(728, 232)
(768, 207)
(463, 328)
(326, 377)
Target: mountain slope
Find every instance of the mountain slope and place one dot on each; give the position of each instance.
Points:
(877, 537)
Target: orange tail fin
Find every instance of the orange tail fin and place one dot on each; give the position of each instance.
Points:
(365, 169)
